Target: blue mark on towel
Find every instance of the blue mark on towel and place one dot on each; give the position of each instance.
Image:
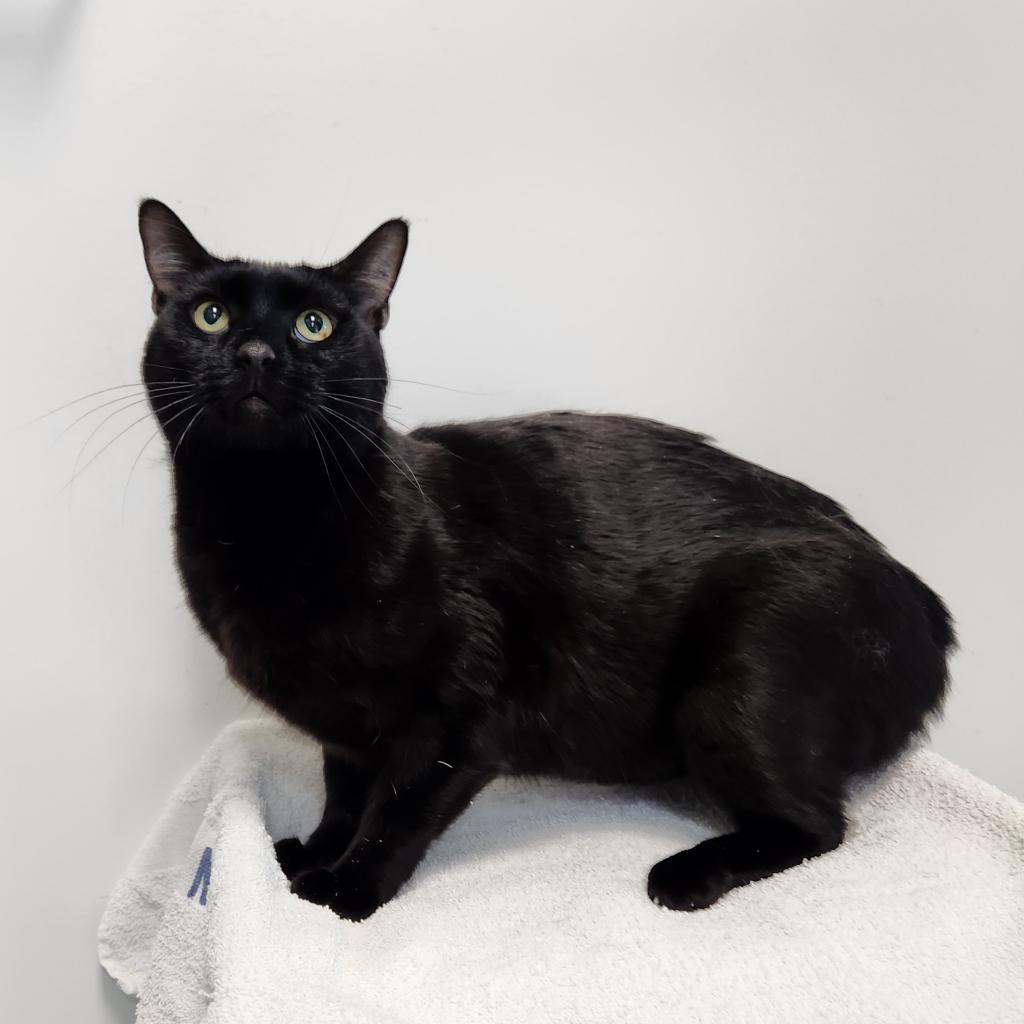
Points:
(202, 876)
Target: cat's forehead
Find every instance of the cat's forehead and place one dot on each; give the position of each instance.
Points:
(266, 286)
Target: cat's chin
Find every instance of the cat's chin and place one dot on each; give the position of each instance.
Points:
(251, 424)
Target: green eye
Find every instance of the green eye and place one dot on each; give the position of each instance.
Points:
(313, 325)
(210, 317)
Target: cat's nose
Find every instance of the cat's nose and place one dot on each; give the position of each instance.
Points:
(257, 354)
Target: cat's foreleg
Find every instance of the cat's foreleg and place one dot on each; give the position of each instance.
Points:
(401, 821)
(348, 783)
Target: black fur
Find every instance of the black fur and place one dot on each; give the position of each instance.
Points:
(593, 597)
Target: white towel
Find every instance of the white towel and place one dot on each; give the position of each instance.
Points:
(532, 908)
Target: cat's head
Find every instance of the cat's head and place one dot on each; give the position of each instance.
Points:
(264, 356)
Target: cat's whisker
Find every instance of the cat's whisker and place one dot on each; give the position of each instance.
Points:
(344, 401)
(329, 394)
(174, 454)
(323, 459)
(163, 366)
(407, 472)
(355, 455)
(402, 380)
(175, 389)
(106, 419)
(347, 399)
(362, 398)
(348, 444)
(131, 471)
(99, 426)
(139, 386)
(77, 472)
(377, 441)
(317, 424)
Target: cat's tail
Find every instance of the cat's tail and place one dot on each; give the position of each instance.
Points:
(939, 619)
(943, 633)
(919, 665)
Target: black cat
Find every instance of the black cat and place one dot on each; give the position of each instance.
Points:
(592, 597)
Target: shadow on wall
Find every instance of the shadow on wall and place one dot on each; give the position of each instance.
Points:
(37, 30)
(35, 36)
(120, 1008)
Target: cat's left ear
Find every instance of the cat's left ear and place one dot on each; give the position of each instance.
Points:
(372, 268)
(172, 254)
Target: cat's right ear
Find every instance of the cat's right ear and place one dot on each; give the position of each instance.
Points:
(373, 266)
(172, 254)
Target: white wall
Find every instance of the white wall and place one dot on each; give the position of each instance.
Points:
(796, 226)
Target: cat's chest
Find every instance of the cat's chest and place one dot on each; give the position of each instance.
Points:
(302, 665)
(277, 616)
(309, 636)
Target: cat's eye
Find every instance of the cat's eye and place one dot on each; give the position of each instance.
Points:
(210, 317)
(313, 325)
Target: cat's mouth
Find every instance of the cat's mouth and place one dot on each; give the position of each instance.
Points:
(256, 404)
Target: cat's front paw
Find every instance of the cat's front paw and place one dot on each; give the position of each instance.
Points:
(316, 886)
(355, 905)
(350, 890)
(292, 856)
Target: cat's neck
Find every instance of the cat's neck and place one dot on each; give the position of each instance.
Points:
(319, 494)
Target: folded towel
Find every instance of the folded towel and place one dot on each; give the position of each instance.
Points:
(532, 908)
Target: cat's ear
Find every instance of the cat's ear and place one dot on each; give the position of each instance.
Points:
(172, 254)
(373, 266)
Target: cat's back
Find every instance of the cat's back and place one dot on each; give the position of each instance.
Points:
(621, 473)
(612, 433)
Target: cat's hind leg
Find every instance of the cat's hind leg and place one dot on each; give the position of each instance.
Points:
(796, 666)
(696, 878)
(760, 741)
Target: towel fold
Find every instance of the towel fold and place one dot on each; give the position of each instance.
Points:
(532, 908)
